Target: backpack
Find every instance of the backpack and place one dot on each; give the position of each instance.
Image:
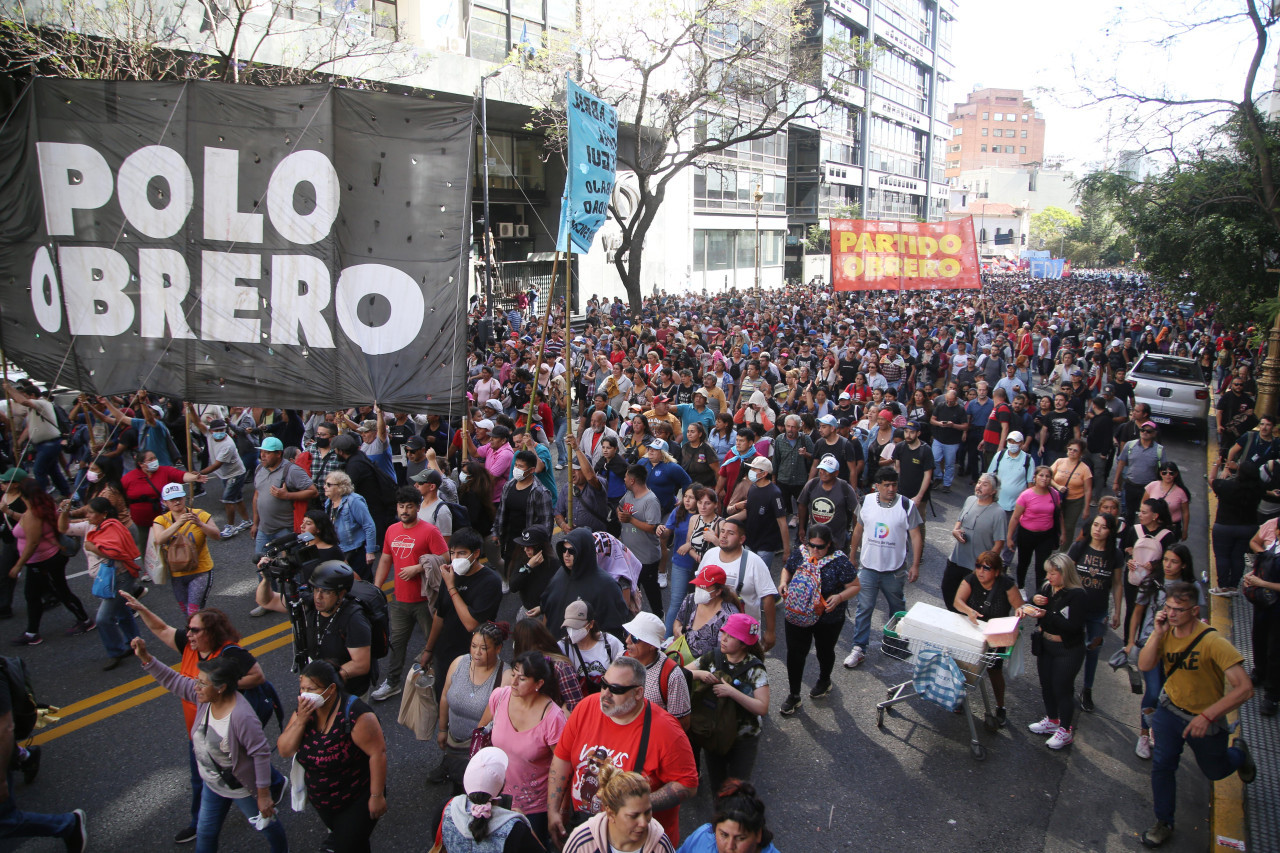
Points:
(21, 695)
(1026, 461)
(458, 512)
(179, 554)
(714, 720)
(1267, 567)
(1159, 450)
(374, 603)
(664, 677)
(803, 601)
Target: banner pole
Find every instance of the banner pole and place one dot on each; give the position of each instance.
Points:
(542, 345)
(190, 451)
(568, 406)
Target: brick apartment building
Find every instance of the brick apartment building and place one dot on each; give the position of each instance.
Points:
(994, 128)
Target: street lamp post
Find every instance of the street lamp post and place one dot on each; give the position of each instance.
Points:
(486, 235)
(757, 196)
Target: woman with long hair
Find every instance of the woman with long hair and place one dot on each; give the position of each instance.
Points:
(635, 444)
(357, 534)
(469, 681)
(1073, 478)
(1099, 569)
(1152, 522)
(919, 409)
(722, 434)
(102, 479)
(475, 820)
(1033, 524)
(674, 534)
(531, 635)
(1059, 610)
(1175, 565)
(698, 458)
(36, 532)
(1234, 524)
(1169, 488)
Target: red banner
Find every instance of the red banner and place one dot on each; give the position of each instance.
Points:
(879, 255)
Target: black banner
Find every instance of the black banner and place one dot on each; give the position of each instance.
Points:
(299, 247)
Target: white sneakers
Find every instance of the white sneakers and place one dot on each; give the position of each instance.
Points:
(856, 657)
(1061, 738)
(385, 691)
(1046, 726)
(1143, 749)
(662, 581)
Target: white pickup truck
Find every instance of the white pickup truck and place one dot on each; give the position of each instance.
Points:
(1174, 388)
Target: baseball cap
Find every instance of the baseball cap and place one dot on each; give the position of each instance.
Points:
(414, 442)
(657, 444)
(484, 423)
(577, 614)
(662, 398)
(709, 576)
(486, 771)
(647, 628)
(13, 475)
(1015, 437)
(1115, 343)
(534, 537)
(369, 426)
(173, 491)
(742, 627)
(1147, 425)
(428, 476)
(269, 445)
(915, 425)
(217, 423)
(764, 466)
(1108, 389)
(845, 395)
(829, 464)
(496, 405)
(828, 420)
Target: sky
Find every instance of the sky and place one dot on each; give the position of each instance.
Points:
(1050, 49)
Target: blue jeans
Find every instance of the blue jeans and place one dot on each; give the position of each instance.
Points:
(562, 452)
(1094, 627)
(1216, 759)
(678, 578)
(116, 625)
(892, 585)
(48, 455)
(944, 464)
(15, 823)
(213, 811)
(767, 556)
(1153, 680)
(264, 536)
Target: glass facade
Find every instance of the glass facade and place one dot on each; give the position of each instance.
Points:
(719, 250)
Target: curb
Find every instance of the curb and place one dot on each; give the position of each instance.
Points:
(1226, 808)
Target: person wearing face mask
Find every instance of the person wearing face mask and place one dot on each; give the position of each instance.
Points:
(470, 594)
(338, 741)
(704, 611)
(143, 487)
(525, 503)
(589, 650)
(224, 460)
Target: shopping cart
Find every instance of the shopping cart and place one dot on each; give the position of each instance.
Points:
(974, 665)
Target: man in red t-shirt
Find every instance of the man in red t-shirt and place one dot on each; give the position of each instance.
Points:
(406, 544)
(612, 729)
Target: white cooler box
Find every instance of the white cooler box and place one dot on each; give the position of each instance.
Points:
(936, 626)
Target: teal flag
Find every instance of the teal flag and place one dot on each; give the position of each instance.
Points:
(592, 165)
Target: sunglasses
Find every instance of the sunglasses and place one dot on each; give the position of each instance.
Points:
(195, 630)
(1167, 472)
(617, 689)
(818, 546)
(984, 567)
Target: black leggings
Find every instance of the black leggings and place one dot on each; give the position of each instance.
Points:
(823, 637)
(1034, 543)
(1058, 666)
(649, 583)
(952, 577)
(351, 826)
(49, 575)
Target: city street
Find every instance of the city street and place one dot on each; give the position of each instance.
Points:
(832, 780)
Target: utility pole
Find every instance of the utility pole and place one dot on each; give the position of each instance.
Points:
(757, 196)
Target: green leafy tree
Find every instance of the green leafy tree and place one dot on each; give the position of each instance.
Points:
(1050, 227)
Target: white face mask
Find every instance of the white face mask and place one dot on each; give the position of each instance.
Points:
(316, 699)
(153, 465)
(701, 596)
(461, 565)
(463, 477)
(753, 475)
(576, 635)
(92, 476)
(518, 473)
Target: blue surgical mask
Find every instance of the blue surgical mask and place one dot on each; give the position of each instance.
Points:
(219, 436)
(753, 475)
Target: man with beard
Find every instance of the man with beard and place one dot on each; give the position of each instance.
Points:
(624, 729)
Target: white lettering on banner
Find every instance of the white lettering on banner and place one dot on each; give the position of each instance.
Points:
(163, 282)
(94, 281)
(72, 177)
(136, 172)
(94, 276)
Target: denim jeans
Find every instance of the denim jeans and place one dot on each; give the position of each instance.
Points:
(48, 455)
(1094, 628)
(264, 536)
(213, 811)
(1216, 759)
(678, 578)
(562, 452)
(116, 625)
(15, 823)
(944, 465)
(892, 585)
(767, 557)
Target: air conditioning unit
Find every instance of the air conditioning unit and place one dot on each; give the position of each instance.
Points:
(506, 230)
(522, 230)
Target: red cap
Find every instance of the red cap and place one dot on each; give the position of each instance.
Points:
(709, 576)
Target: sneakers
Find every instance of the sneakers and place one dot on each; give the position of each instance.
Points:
(506, 587)
(1269, 707)
(1248, 770)
(81, 628)
(185, 836)
(77, 840)
(1143, 749)
(113, 662)
(31, 767)
(243, 526)
(822, 688)
(1002, 717)
(1157, 835)
(855, 658)
(946, 490)
(791, 704)
(1061, 738)
(1086, 700)
(28, 640)
(559, 466)
(1224, 591)
(228, 531)
(662, 580)
(1046, 726)
(385, 691)
(259, 611)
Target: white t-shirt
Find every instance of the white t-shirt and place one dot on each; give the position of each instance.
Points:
(592, 663)
(756, 584)
(224, 451)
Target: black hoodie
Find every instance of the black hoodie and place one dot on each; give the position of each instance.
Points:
(588, 582)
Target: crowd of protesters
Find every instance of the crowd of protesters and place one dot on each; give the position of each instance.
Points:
(731, 459)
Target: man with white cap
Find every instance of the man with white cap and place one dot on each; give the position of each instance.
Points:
(664, 684)
(765, 513)
(849, 455)
(1014, 469)
(478, 809)
(827, 499)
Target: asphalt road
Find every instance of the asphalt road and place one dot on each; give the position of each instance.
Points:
(832, 780)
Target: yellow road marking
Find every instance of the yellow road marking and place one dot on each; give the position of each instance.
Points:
(101, 714)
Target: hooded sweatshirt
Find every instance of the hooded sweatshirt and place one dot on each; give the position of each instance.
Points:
(593, 837)
(585, 580)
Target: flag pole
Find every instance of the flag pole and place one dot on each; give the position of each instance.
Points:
(542, 345)
(568, 407)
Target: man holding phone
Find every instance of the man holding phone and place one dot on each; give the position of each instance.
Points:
(1193, 705)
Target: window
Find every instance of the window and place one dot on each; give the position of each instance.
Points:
(999, 117)
(998, 132)
(1026, 116)
(1011, 117)
(983, 149)
(984, 131)
(1024, 134)
(488, 35)
(1022, 149)
(958, 131)
(985, 116)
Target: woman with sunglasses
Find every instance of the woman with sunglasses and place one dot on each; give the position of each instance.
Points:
(1168, 487)
(1099, 569)
(1176, 565)
(818, 582)
(989, 593)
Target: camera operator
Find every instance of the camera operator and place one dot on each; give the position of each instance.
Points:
(335, 626)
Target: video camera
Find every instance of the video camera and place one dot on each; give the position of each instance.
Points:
(285, 557)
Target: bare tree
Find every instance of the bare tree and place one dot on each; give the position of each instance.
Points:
(239, 41)
(690, 79)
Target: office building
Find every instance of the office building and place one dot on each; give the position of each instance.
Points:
(994, 128)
